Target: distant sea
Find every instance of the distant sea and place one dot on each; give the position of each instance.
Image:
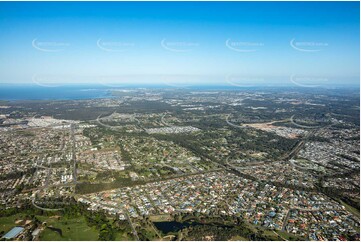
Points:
(13, 92)
(33, 92)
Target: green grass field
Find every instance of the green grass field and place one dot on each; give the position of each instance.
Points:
(72, 229)
(238, 238)
(122, 236)
(6, 223)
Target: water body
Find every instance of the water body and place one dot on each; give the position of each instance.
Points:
(172, 226)
(59, 231)
(34, 92)
(13, 92)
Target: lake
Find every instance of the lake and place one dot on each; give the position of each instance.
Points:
(172, 226)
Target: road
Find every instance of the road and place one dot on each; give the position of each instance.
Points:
(131, 224)
(45, 209)
(73, 150)
(234, 125)
(124, 211)
(286, 220)
(299, 146)
(164, 122)
(106, 125)
(118, 127)
(279, 235)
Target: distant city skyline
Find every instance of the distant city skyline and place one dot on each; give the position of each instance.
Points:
(180, 43)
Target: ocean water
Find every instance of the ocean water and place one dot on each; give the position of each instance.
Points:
(33, 92)
(12, 92)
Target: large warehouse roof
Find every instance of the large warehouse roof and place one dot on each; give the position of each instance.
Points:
(13, 232)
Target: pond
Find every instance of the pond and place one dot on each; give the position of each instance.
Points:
(59, 231)
(172, 226)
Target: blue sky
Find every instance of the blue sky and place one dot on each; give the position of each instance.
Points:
(179, 41)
